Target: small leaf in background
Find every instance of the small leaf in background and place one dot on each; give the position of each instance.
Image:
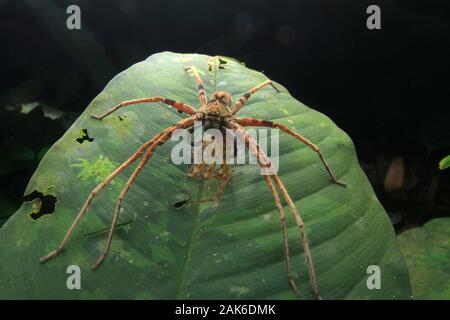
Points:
(444, 163)
(48, 111)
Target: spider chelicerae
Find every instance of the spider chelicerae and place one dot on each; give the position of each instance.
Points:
(217, 112)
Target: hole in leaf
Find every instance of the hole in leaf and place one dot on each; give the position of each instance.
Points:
(84, 137)
(222, 64)
(182, 203)
(45, 204)
(211, 64)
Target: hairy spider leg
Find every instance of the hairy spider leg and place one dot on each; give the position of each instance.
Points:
(164, 136)
(242, 100)
(260, 154)
(200, 86)
(284, 233)
(180, 106)
(251, 122)
(224, 174)
(255, 149)
(96, 190)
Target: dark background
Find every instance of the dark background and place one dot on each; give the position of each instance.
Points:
(388, 89)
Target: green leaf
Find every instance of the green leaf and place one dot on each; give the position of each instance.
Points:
(427, 255)
(200, 249)
(444, 163)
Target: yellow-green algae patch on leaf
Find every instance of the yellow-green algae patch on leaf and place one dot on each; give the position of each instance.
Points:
(97, 170)
(200, 249)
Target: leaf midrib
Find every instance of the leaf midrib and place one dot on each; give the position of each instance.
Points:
(181, 280)
(189, 243)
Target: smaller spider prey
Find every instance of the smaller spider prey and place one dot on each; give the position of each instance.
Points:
(217, 112)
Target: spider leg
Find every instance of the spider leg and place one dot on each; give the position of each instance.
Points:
(210, 171)
(264, 123)
(256, 150)
(181, 107)
(200, 85)
(242, 100)
(183, 124)
(284, 234)
(301, 225)
(196, 169)
(225, 177)
(224, 174)
(96, 190)
(264, 162)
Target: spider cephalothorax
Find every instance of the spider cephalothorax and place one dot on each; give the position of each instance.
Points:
(219, 113)
(220, 98)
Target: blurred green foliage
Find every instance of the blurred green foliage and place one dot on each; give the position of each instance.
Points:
(444, 163)
(427, 254)
(27, 131)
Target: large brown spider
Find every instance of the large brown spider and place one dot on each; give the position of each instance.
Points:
(217, 112)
